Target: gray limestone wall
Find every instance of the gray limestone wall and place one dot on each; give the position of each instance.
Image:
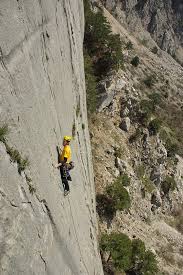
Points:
(42, 98)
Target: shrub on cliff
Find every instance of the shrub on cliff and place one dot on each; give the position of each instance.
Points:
(105, 206)
(119, 195)
(135, 61)
(149, 81)
(102, 46)
(3, 132)
(129, 256)
(154, 126)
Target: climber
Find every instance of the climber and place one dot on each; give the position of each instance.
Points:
(65, 163)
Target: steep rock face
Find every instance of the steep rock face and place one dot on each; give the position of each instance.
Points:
(42, 86)
(162, 19)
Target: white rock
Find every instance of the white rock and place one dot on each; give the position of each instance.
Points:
(125, 124)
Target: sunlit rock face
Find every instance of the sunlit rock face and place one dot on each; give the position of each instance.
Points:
(41, 87)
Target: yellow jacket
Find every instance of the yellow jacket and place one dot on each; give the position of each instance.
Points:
(66, 153)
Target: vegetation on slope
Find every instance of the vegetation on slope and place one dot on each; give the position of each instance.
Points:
(102, 52)
(126, 255)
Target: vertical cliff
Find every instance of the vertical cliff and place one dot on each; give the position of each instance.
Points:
(42, 98)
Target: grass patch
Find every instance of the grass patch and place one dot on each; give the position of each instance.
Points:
(169, 184)
(154, 126)
(74, 129)
(16, 157)
(133, 138)
(3, 132)
(32, 189)
(124, 179)
(78, 109)
(149, 81)
(145, 180)
(118, 152)
(129, 45)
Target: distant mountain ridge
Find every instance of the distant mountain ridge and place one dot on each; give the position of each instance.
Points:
(161, 18)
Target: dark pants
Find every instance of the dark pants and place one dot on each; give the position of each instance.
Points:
(64, 172)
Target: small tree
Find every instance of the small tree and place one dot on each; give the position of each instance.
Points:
(149, 266)
(105, 206)
(154, 126)
(129, 256)
(119, 195)
(135, 61)
(120, 248)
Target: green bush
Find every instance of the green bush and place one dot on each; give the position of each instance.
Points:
(102, 52)
(156, 98)
(16, 157)
(118, 153)
(147, 106)
(124, 180)
(119, 195)
(3, 132)
(74, 129)
(135, 136)
(169, 184)
(145, 180)
(103, 47)
(120, 248)
(172, 148)
(154, 50)
(148, 184)
(149, 266)
(149, 81)
(154, 126)
(129, 45)
(129, 256)
(135, 61)
(105, 206)
(146, 109)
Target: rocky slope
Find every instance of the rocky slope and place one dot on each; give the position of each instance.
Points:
(162, 19)
(42, 98)
(123, 144)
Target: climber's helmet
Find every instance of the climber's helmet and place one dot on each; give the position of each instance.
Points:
(67, 140)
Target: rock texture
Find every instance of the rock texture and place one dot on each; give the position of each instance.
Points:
(155, 215)
(41, 86)
(162, 19)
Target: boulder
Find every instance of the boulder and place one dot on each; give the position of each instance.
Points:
(125, 124)
(121, 164)
(157, 175)
(120, 84)
(156, 199)
(106, 100)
